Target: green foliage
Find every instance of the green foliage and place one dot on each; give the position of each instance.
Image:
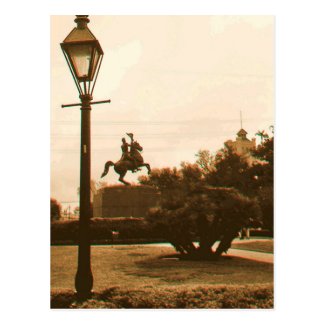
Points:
(266, 200)
(240, 195)
(264, 169)
(191, 175)
(199, 297)
(204, 214)
(263, 175)
(254, 180)
(164, 178)
(265, 151)
(206, 161)
(55, 209)
(64, 230)
(76, 211)
(263, 135)
(230, 171)
(101, 229)
(174, 183)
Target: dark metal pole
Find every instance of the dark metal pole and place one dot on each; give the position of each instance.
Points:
(84, 277)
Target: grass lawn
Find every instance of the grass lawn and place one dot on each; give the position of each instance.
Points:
(125, 275)
(259, 246)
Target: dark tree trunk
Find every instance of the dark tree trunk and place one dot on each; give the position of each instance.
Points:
(178, 247)
(225, 243)
(208, 236)
(183, 244)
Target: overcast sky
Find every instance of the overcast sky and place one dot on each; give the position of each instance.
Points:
(177, 82)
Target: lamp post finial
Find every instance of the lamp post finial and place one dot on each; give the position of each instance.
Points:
(82, 21)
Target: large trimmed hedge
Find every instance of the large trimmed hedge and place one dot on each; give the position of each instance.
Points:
(131, 230)
(220, 297)
(102, 229)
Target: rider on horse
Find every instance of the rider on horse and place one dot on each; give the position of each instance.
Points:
(130, 160)
(126, 154)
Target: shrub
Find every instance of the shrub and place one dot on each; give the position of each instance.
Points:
(199, 297)
(102, 228)
(207, 214)
(55, 209)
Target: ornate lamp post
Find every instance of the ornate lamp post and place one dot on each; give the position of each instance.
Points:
(84, 55)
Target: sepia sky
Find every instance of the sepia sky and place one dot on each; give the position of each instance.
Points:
(177, 82)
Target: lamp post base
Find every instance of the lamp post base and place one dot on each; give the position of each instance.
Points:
(84, 284)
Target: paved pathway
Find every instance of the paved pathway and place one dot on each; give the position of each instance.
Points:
(252, 255)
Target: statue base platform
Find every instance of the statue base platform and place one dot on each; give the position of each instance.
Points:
(125, 201)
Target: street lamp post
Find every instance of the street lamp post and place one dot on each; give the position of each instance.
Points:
(84, 54)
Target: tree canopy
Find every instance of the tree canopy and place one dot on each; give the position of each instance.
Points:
(212, 199)
(254, 179)
(55, 209)
(204, 215)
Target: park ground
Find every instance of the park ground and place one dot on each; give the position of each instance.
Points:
(136, 276)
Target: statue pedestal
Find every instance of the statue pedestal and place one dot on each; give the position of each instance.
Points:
(125, 201)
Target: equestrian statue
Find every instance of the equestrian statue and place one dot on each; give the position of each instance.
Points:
(130, 160)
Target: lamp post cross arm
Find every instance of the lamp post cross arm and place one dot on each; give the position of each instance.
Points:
(91, 103)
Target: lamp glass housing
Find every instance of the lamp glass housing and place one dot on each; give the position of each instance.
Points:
(83, 53)
(83, 58)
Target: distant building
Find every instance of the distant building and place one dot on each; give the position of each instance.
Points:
(242, 146)
(124, 201)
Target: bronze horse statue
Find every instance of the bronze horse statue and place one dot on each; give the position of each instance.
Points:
(122, 166)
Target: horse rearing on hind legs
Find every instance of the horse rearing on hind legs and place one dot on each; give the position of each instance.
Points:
(132, 163)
